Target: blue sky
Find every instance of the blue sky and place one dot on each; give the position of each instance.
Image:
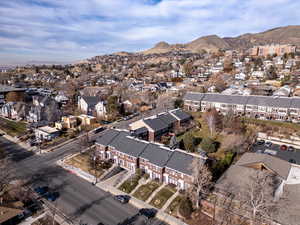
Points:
(70, 30)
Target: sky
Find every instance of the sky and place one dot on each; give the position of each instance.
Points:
(69, 30)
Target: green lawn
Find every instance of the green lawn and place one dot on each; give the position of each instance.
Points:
(12, 128)
(172, 209)
(162, 197)
(130, 184)
(144, 191)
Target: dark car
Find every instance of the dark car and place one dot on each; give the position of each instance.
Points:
(52, 196)
(98, 130)
(149, 213)
(41, 190)
(122, 198)
(291, 148)
(260, 142)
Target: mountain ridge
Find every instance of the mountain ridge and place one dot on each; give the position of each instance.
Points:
(212, 43)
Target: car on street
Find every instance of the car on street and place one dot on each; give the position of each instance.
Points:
(283, 147)
(291, 148)
(260, 142)
(148, 213)
(41, 190)
(122, 198)
(268, 144)
(52, 196)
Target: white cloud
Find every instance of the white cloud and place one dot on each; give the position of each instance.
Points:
(85, 27)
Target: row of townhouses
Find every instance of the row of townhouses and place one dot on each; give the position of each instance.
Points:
(154, 127)
(260, 107)
(170, 166)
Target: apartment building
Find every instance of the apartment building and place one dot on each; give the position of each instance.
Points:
(162, 163)
(272, 49)
(154, 127)
(259, 107)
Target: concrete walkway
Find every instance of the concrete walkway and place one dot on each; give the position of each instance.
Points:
(155, 192)
(170, 200)
(142, 181)
(122, 179)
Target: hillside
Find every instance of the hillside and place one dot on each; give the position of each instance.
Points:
(211, 43)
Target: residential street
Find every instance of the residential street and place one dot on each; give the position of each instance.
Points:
(79, 200)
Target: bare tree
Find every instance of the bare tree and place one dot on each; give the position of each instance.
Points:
(201, 180)
(258, 196)
(212, 119)
(6, 176)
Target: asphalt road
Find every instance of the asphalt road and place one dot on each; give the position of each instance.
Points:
(79, 200)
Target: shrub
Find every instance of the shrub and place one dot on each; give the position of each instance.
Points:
(186, 208)
(208, 145)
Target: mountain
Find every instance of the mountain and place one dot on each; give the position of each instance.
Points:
(211, 43)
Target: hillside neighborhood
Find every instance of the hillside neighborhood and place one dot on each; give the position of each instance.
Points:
(205, 133)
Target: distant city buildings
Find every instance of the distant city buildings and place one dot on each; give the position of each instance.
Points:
(278, 49)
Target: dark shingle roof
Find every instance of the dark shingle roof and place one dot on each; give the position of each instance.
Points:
(181, 114)
(128, 145)
(269, 101)
(193, 96)
(156, 154)
(156, 124)
(91, 100)
(181, 162)
(236, 99)
(107, 137)
(167, 118)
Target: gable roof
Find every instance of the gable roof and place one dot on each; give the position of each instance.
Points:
(156, 154)
(128, 145)
(180, 114)
(193, 96)
(156, 124)
(167, 118)
(181, 162)
(107, 136)
(278, 166)
(91, 100)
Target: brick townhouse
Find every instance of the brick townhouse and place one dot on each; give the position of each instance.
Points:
(154, 127)
(162, 163)
(260, 107)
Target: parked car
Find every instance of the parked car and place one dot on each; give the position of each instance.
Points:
(149, 213)
(260, 142)
(283, 147)
(291, 148)
(122, 198)
(98, 130)
(52, 196)
(268, 144)
(41, 190)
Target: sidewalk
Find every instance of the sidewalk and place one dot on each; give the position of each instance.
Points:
(106, 186)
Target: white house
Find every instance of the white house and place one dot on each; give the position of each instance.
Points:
(91, 105)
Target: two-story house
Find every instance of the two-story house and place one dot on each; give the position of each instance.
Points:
(92, 105)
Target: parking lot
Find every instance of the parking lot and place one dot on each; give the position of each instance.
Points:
(285, 151)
